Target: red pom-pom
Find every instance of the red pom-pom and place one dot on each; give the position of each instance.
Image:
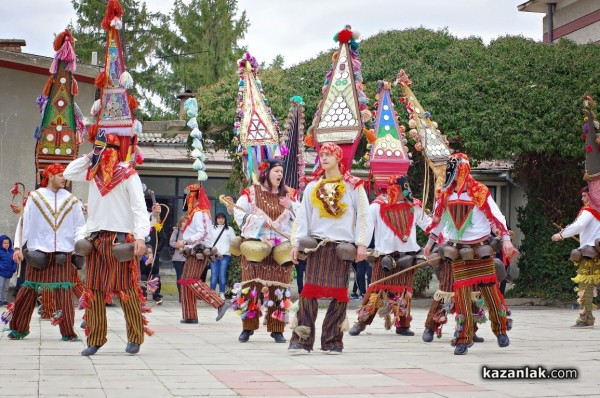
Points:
(344, 36)
(309, 141)
(100, 81)
(583, 137)
(113, 9)
(132, 102)
(92, 131)
(588, 148)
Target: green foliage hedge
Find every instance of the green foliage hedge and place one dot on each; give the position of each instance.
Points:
(513, 99)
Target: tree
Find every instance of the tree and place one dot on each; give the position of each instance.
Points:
(140, 36)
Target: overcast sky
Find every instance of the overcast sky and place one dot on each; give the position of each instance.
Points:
(300, 29)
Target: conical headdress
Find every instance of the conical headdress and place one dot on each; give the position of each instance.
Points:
(592, 152)
(293, 137)
(255, 128)
(389, 155)
(343, 110)
(113, 112)
(62, 128)
(429, 140)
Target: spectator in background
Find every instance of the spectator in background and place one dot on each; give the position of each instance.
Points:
(178, 257)
(7, 267)
(300, 269)
(222, 237)
(149, 269)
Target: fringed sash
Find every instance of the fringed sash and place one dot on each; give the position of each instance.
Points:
(475, 272)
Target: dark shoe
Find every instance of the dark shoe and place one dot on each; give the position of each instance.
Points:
(405, 331)
(90, 350)
(222, 310)
(503, 340)
(245, 335)
(188, 321)
(132, 348)
(40, 310)
(17, 336)
(356, 329)
(158, 301)
(278, 336)
(477, 339)
(461, 349)
(428, 336)
(69, 338)
(83, 325)
(581, 325)
(295, 349)
(354, 296)
(335, 351)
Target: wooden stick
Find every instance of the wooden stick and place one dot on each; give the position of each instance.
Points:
(561, 228)
(401, 272)
(229, 203)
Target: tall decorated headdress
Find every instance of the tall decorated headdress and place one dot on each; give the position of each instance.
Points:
(62, 128)
(591, 131)
(255, 128)
(293, 139)
(388, 156)
(114, 125)
(344, 107)
(428, 138)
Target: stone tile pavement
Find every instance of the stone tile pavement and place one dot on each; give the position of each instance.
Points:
(207, 360)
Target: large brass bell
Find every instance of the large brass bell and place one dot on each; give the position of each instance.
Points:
(282, 253)
(484, 251)
(234, 247)
(83, 247)
(500, 269)
(255, 250)
(123, 251)
(575, 255)
(589, 251)
(466, 254)
(449, 252)
(404, 262)
(35, 258)
(346, 251)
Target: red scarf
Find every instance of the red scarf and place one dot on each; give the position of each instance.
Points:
(404, 208)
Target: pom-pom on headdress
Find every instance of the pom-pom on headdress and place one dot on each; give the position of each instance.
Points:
(255, 129)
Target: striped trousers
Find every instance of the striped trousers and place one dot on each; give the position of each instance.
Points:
(54, 281)
(275, 277)
(105, 276)
(193, 288)
(436, 309)
(400, 286)
(491, 295)
(326, 276)
(48, 299)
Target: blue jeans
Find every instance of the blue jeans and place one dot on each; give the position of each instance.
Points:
(218, 271)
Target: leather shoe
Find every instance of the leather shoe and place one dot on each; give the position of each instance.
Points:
(405, 331)
(295, 349)
(278, 336)
(477, 339)
(245, 335)
(461, 349)
(222, 310)
(428, 336)
(132, 348)
(188, 321)
(503, 340)
(83, 325)
(90, 350)
(356, 329)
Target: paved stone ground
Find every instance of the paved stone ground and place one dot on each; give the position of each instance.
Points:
(206, 359)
